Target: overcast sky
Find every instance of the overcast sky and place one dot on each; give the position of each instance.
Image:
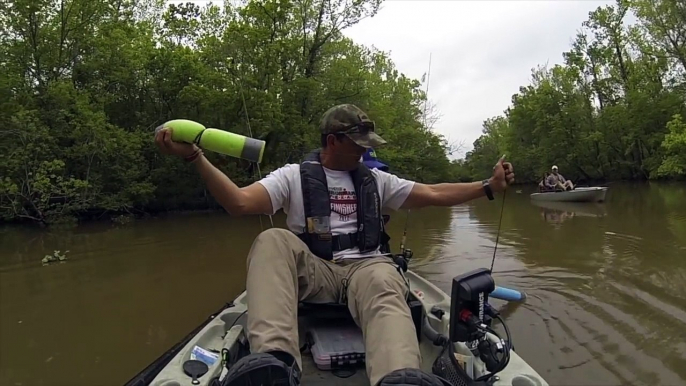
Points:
(481, 51)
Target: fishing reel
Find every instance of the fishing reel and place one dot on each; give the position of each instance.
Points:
(471, 317)
(403, 258)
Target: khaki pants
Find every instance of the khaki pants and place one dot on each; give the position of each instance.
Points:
(565, 185)
(282, 271)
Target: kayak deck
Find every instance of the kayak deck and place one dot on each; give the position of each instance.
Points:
(227, 329)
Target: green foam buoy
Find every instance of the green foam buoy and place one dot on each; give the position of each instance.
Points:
(218, 141)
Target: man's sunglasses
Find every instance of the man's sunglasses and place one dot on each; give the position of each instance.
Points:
(358, 128)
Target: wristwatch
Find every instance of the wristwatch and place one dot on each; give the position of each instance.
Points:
(487, 189)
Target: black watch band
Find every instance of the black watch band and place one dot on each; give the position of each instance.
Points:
(487, 189)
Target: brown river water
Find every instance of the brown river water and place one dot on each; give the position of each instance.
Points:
(606, 285)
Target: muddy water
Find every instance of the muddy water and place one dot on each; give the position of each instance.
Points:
(606, 285)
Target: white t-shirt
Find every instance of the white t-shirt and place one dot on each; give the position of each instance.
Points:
(285, 191)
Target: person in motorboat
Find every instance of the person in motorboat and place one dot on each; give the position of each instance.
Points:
(556, 180)
(331, 250)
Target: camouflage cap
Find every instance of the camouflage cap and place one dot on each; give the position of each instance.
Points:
(344, 118)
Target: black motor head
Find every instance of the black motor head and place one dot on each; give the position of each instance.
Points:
(469, 297)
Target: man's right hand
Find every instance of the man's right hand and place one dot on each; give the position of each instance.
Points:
(252, 199)
(163, 139)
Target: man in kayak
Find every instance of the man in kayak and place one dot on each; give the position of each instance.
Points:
(557, 181)
(331, 252)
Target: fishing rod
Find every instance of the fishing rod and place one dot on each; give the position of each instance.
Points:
(426, 101)
(221, 141)
(407, 221)
(402, 241)
(247, 120)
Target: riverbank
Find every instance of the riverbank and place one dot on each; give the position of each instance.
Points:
(125, 217)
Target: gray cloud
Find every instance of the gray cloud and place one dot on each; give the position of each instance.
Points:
(482, 51)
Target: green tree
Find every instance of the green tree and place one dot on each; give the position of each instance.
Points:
(606, 112)
(674, 145)
(84, 83)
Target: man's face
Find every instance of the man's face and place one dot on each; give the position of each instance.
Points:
(555, 171)
(345, 150)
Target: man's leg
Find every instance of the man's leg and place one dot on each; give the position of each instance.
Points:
(282, 271)
(377, 296)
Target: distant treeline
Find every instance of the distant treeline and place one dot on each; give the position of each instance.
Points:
(83, 83)
(614, 110)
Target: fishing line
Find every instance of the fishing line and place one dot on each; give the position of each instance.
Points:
(500, 222)
(247, 119)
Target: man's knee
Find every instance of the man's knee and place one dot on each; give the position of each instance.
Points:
(380, 278)
(274, 244)
(275, 235)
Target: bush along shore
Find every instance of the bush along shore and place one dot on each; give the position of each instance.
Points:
(84, 83)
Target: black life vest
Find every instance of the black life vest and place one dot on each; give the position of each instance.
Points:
(317, 234)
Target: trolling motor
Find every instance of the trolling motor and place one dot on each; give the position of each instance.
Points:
(471, 317)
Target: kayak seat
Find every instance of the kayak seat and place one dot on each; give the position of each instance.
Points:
(334, 343)
(340, 312)
(324, 310)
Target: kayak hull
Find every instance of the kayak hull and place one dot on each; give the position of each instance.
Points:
(593, 194)
(227, 330)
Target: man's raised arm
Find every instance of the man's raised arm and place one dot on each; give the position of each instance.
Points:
(252, 199)
(449, 194)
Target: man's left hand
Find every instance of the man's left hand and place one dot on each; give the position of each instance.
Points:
(503, 175)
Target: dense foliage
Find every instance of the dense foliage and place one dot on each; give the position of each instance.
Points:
(83, 83)
(614, 110)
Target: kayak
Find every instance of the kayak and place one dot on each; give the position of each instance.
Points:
(333, 347)
(592, 194)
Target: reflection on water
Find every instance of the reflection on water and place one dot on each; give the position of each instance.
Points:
(558, 212)
(606, 285)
